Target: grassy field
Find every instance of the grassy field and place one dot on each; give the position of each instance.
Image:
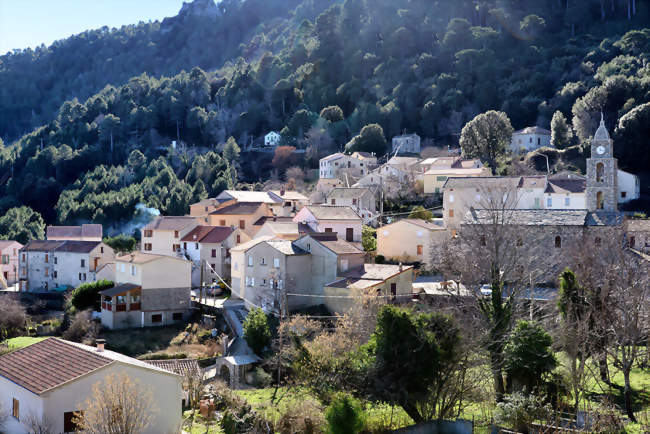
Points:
(199, 426)
(21, 342)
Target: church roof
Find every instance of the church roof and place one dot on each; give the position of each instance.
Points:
(601, 132)
(545, 217)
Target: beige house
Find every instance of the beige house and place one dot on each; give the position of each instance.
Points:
(285, 230)
(290, 202)
(362, 200)
(263, 268)
(46, 265)
(209, 246)
(162, 236)
(47, 382)
(242, 215)
(9, 262)
(85, 232)
(339, 165)
(394, 283)
(201, 209)
(410, 240)
(340, 219)
(150, 290)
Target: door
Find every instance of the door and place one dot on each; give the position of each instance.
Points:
(96, 264)
(393, 291)
(349, 234)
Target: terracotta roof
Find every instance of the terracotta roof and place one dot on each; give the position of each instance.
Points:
(322, 212)
(177, 366)
(239, 208)
(208, 234)
(49, 363)
(170, 223)
(85, 230)
(6, 243)
(533, 130)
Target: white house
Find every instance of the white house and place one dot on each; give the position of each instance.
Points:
(629, 186)
(47, 382)
(272, 139)
(530, 138)
(339, 164)
(51, 264)
(340, 219)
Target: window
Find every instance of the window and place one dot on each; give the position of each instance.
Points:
(176, 247)
(276, 262)
(148, 233)
(157, 317)
(238, 239)
(349, 234)
(206, 209)
(134, 270)
(47, 258)
(69, 424)
(82, 277)
(196, 246)
(483, 241)
(24, 257)
(530, 140)
(419, 249)
(242, 224)
(328, 229)
(83, 263)
(600, 171)
(549, 202)
(567, 201)
(250, 261)
(539, 141)
(252, 281)
(55, 274)
(632, 242)
(333, 201)
(184, 246)
(15, 409)
(536, 202)
(623, 194)
(354, 201)
(451, 213)
(175, 234)
(56, 260)
(262, 261)
(222, 223)
(263, 282)
(101, 250)
(309, 247)
(5, 259)
(47, 272)
(248, 281)
(177, 316)
(213, 253)
(599, 200)
(597, 241)
(441, 178)
(147, 246)
(214, 267)
(558, 242)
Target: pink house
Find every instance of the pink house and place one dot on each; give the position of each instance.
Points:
(9, 261)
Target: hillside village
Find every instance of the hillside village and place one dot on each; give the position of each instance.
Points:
(290, 216)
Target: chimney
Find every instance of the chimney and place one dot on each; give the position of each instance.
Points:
(282, 192)
(100, 344)
(401, 267)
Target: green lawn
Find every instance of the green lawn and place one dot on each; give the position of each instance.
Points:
(199, 426)
(21, 342)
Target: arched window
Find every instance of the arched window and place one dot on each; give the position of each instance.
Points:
(600, 171)
(483, 241)
(558, 242)
(599, 200)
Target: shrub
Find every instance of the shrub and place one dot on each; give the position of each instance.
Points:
(82, 328)
(261, 378)
(345, 415)
(380, 259)
(301, 417)
(369, 238)
(518, 411)
(121, 243)
(86, 295)
(257, 331)
(13, 317)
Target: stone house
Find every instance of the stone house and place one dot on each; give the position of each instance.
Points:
(394, 283)
(530, 138)
(150, 290)
(338, 165)
(47, 265)
(638, 234)
(211, 245)
(50, 380)
(423, 239)
(406, 144)
(242, 215)
(288, 202)
(84, 232)
(9, 261)
(340, 219)
(360, 199)
(162, 236)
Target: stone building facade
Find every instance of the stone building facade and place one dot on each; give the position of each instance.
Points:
(602, 167)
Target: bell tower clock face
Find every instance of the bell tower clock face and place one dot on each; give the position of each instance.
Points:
(600, 150)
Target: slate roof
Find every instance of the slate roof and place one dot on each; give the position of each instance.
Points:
(85, 230)
(349, 192)
(323, 212)
(482, 182)
(211, 201)
(48, 364)
(119, 289)
(170, 223)
(137, 257)
(565, 186)
(546, 217)
(239, 208)
(208, 234)
(252, 243)
(286, 247)
(331, 241)
(177, 366)
(537, 181)
(533, 130)
(379, 272)
(71, 246)
(280, 219)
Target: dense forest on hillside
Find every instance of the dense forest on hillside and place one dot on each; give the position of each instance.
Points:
(318, 71)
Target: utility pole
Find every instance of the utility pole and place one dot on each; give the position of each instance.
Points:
(201, 291)
(381, 199)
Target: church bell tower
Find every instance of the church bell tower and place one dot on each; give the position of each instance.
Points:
(602, 168)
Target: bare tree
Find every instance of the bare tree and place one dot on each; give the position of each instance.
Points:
(490, 250)
(39, 425)
(118, 405)
(13, 318)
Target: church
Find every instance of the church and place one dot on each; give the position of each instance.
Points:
(553, 236)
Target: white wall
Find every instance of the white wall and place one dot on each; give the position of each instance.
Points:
(529, 141)
(629, 184)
